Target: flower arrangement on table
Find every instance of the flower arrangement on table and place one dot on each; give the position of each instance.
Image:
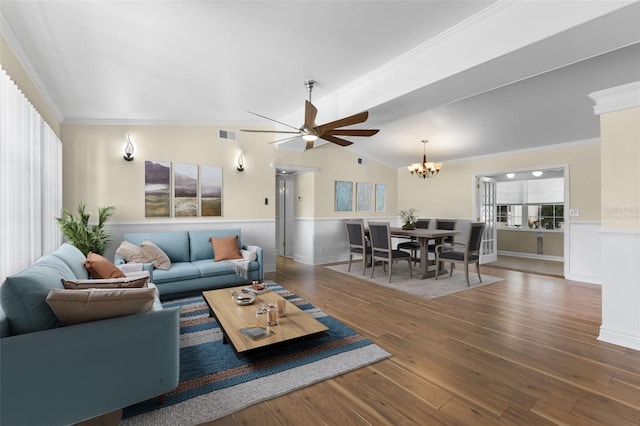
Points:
(408, 217)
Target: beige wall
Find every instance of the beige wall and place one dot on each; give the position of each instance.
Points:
(335, 163)
(450, 193)
(15, 70)
(95, 172)
(620, 133)
(527, 242)
(304, 200)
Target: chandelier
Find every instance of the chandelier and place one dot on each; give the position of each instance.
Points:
(425, 170)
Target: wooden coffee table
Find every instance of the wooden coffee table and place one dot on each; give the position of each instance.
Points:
(232, 317)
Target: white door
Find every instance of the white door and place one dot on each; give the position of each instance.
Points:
(486, 212)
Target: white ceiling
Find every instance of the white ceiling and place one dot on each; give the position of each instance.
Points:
(473, 77)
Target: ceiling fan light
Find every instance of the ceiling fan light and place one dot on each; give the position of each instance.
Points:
(309, 137)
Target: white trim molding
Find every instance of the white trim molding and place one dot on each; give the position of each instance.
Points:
(616, 98)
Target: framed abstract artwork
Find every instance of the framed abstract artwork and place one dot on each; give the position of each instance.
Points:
(344, 196)
(381, 197)
(364, 196)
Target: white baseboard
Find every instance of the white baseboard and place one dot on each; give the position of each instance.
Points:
(531, 256)
(618, 337)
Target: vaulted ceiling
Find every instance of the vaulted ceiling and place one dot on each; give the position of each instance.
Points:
(473, 77)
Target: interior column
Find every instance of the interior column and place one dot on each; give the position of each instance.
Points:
(619, 111)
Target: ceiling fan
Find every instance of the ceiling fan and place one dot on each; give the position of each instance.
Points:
(309, 131)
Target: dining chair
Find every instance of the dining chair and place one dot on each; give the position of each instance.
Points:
(444, 225)
(413, 246)
(358, 242)
(381, 248)
(467, 253)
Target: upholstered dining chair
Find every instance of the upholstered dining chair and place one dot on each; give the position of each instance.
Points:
(463, 253)
(381, 249)
(445, 225)
(358, 242)
(413, 246)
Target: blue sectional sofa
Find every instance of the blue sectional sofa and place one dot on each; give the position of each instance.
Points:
(192, 266)
(55, 375)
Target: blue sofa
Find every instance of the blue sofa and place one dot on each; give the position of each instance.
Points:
(192, 266)
(53, 375)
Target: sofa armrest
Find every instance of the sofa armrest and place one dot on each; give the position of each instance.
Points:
(69, 374)
(119, 261)
(259, 259)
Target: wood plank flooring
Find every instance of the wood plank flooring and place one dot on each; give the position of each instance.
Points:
(535, 266)
(519, 352)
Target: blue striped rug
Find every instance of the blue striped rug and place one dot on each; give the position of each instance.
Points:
(215, 383)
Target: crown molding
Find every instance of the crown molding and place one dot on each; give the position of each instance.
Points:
(616, 98)
(7, 33)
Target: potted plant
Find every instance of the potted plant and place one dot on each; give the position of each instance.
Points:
(408, 218)
(77, 231)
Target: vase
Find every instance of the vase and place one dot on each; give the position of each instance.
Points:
(408, 227)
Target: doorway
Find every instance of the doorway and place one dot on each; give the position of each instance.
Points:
(285, 225)
(526, 211)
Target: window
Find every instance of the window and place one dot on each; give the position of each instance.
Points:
(542, 200)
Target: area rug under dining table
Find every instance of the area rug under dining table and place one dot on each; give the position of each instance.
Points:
(215, 383)
(429, 288)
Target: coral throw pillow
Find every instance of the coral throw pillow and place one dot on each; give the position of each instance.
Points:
(225, 248)
(99, 267)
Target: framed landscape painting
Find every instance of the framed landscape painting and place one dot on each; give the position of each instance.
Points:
(157, 189)
(381, 198)
(210, 191)
(363, 196)
(344, 196)
(185, 189)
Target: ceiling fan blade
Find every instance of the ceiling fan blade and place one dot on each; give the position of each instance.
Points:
(310, 113)
(271, 119)
(353, 132)
(347, 121)
(337, 141)
(284, 139)
(269, 131)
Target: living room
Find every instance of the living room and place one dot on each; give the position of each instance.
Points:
(95, 172)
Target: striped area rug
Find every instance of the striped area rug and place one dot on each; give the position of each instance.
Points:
(215, 383)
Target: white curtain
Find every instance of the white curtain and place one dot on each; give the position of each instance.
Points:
(30, 182)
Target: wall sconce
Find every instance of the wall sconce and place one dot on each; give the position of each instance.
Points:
(240, 162)
(128, 149)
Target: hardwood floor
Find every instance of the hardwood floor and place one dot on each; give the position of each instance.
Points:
(534, 266)
(519, 352)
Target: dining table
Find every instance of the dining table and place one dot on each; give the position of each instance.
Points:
(423, 236)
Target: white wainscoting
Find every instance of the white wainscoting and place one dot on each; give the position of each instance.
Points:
(255, 232)
(583, 260)
(620, 287)
(324, 240)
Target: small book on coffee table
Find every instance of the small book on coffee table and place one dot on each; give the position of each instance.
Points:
(256, 332)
